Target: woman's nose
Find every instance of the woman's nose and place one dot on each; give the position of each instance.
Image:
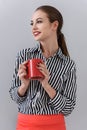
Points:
(34, 26)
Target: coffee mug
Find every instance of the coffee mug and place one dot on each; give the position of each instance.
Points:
(32, 71)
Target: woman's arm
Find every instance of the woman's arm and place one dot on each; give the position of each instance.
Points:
(18, 90)
(65, 102)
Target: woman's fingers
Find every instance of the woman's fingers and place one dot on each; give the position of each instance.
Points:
(21, 66)
(43, 69)
(22, 70)
(25, 62)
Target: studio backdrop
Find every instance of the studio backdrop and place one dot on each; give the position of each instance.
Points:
(15, 34)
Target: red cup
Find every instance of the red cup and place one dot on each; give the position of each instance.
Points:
(32, 70)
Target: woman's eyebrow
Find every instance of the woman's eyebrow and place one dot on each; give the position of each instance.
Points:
(37, 19)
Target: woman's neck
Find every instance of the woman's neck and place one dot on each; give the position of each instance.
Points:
(49, 48)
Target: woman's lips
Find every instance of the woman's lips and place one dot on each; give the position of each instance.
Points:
(36, 33)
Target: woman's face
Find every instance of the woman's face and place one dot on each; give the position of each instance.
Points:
(42, 29)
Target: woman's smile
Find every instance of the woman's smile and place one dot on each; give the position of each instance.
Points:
(36, 33)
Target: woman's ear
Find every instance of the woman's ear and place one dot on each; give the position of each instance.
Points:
(55, 25)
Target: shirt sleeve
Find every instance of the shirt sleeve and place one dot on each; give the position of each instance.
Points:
(65, 101)
(21, 57)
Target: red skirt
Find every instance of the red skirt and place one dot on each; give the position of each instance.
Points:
(40, 122)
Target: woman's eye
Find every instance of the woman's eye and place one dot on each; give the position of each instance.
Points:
(36, 22)
(31, 23)
(39, 21)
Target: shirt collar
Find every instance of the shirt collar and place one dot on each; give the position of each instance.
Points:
(58, 53)
(35, 48)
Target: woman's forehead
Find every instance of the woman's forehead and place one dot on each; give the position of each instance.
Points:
(39, 14)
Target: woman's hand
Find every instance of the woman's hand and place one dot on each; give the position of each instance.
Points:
(22, 73)
(48, 88)
(43, 69)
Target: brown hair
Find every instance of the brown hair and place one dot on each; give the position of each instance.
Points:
(54, 14)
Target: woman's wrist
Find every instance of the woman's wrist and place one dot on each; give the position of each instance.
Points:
(51, 91)
(22, 89)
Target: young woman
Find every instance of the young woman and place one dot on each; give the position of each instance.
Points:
(43, 103)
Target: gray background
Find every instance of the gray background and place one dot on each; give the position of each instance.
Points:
(15, 34)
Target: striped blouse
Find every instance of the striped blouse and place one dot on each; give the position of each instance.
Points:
(62, 78)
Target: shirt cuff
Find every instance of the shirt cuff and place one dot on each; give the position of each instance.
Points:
(53, 101)
(19, 98)
(58, 102)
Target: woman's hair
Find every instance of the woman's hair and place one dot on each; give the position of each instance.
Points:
(53, 15)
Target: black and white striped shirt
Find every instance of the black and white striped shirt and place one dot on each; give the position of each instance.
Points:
(62, 78)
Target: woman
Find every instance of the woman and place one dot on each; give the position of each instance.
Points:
(43, 103)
